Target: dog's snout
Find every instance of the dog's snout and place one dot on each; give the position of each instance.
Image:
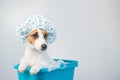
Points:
(44, 46)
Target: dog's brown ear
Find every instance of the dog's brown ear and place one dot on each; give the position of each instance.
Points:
(44, 33)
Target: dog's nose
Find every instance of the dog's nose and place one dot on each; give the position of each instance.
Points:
(44, 46)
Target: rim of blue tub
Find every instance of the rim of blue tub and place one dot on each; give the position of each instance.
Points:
(68, 64)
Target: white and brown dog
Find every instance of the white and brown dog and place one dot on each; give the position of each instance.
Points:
(36, 55)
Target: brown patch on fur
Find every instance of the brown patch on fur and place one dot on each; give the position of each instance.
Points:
(30, 37)
(34, 35)
(43, 31)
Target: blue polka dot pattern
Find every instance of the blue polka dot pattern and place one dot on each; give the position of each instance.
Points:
(36, 22)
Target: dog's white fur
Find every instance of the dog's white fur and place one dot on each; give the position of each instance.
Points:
(35, 57)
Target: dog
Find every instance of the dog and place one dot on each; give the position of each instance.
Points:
(36, 55)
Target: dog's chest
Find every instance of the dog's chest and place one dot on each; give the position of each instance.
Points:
(37, 58)
(31, 59)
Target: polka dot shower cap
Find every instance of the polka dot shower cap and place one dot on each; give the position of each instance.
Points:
(36, 22)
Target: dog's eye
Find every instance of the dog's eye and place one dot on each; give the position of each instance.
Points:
(45, 35)
(35, 35)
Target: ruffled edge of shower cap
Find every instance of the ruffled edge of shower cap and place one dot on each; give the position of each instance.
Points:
(36, 22)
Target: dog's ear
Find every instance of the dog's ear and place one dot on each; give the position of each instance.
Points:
(44, 33)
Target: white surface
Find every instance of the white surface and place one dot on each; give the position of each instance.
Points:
(88, 31)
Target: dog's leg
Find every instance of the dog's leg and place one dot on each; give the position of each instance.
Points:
(22, 67)
(35, 69)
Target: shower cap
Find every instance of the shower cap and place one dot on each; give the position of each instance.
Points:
(36, 22)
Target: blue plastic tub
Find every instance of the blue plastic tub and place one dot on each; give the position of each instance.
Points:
(65, 72)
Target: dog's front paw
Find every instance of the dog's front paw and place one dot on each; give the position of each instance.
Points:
(34, 70)
(22, 68)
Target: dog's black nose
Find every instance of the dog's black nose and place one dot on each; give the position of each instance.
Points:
(44, 46)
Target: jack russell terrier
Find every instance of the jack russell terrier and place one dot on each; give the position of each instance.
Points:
(37, 32)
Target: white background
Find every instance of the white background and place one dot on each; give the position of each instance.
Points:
(87, 31)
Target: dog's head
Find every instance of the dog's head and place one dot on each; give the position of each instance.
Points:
(38, 39)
